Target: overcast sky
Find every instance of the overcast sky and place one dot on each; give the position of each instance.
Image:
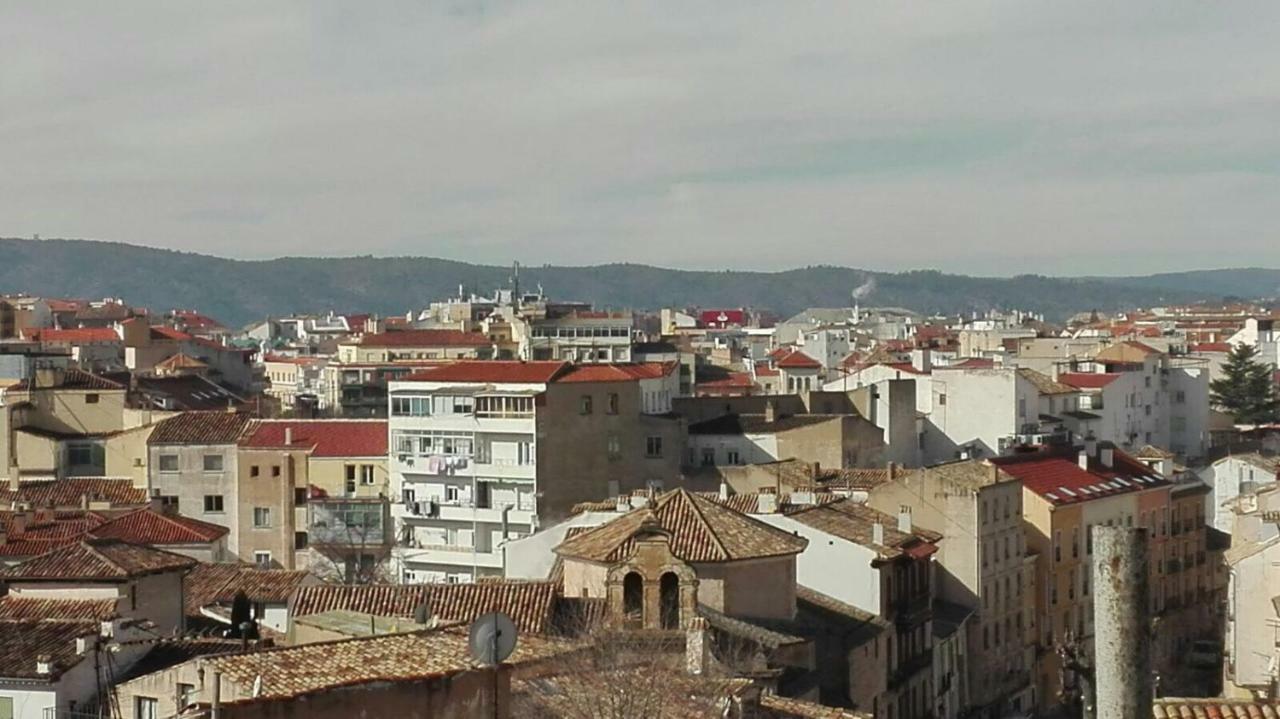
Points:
(980, 137)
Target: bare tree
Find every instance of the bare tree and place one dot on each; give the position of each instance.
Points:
(349, 541)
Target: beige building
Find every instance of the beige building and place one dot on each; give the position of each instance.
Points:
(978, 511)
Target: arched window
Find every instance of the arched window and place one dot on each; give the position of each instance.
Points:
(633, 599)
(669, 601)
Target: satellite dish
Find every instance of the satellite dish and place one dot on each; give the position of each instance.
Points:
(493, 638)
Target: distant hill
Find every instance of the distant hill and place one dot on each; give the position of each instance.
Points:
(237, 291)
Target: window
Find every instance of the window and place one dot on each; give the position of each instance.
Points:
(653, 447)
(708, 457)
(350, 484)
(299, 540)
(146, 708)
(186, 692)
(168, 463)
(261, 517)
(1022, 407)
(299, 496)
(79, 455)
(254, 471)
(585, 405)
(366, 475)
(942, 398)
(613, 403)
(91, 398)
(1088, 539)
(452, 493)
(732, 457)
(262, 559)
(275, 470)
(213, 503)
(1057, 545)
(1075, 542)
(614, 447)
(213, 463)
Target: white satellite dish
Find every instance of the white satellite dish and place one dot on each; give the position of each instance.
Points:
(493, 638)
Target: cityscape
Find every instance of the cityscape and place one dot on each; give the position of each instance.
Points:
(539, 359)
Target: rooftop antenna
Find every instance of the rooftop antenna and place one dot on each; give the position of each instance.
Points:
(492, 639)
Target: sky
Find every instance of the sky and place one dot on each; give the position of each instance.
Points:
(982, 137)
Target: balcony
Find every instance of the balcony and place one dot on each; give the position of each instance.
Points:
(506, 469)
(451, 555)
(466, 512)
(912, 610)
(905, 671)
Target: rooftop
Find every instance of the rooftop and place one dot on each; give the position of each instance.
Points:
(201, 428)
(1127, 352)
(79, 335)
(97, 560)
(147, 526)
(24, 642)
(426, 338)
(88, 610)
(796, 359)
(529, 604)
(1045, 384)
(699, 530)
(1215, 708)
(1056, 475)
(492, 372)
(73, 379)
(326, 437)
(72, 492)
(758, 424)
(218, 583)
(616, 372)
(1088, 380)
(855, 522)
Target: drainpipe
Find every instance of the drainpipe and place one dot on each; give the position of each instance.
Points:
(1122, 646)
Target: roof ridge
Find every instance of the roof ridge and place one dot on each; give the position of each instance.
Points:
(706, 525)
(92, 548)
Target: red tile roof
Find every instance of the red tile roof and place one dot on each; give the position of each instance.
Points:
(1210, 347)
(147, 526)
(426, 338)
(975, 363)
(732, 379)
(721, 318)
(169, 333)
(493, 372)
(77, 336)
(529, 604)
(97, 560)
(201, 428)
(16, 608)
(1056, 475)
(69, 493)
(327, 437)
(218, 583)
(1088, 380)
(23, 642)
(1215, 708)
(798, 360)
(616, 372)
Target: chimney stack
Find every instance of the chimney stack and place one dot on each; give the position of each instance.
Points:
(44, 665)
(893, 471)
(724, 490)
(766, 503)
(770, 412)
(904, 521)
(288, 436)
(1084, 460)
(1108, 456)
(1090, 444)
(877, 534)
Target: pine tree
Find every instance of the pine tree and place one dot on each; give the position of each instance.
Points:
(1246, 390)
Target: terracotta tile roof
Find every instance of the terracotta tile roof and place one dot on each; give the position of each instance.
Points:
(728, 381)
(69, 493)
(700, 531)
(426, 338)
(530, 605)
(23, 642)
(1210, 347)
(41, 534)
(1088, 380)
(1126, 352)
(492, 372)
(974, 363)
(327, 437)
(1045, 384)
(797, 359)
(181, 361)
(1151, 451)
(169, 333)
(1215, 708)
(616, 372)
(105, 311)
(749, 503)
(218, 583)
(296, 671)
(97, 560)
(75, 379)
(77, 336)
(93, 610)
(147, 526)
(201, 428)
(170, 652)
(854, 522)
(857, 479)
(1056, 475)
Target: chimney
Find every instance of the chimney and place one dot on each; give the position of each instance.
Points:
(893, 471)
(44, 665)
(904, 521)
(724, 490)
(995, 473)
(697, 643)
(766, 503)
(922, 360)
(877, 534)
(288, 436)
(1091, 444)
(1084, 460)
(84, 644)
(770, 411)
(1108, 456)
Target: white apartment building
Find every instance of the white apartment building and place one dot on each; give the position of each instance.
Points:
(485, 452)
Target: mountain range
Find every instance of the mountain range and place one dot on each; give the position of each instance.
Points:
(240, 291)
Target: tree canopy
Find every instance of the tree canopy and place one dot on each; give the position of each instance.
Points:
(1246, 389)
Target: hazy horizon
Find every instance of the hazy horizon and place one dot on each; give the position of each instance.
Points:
(983, 137)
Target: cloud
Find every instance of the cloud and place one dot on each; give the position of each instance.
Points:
(980, 136)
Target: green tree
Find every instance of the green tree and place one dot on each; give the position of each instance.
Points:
(1246, 389)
